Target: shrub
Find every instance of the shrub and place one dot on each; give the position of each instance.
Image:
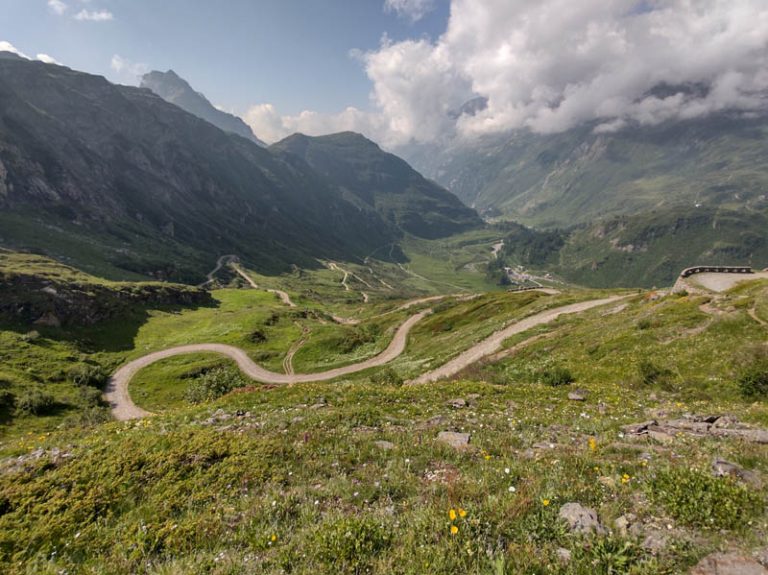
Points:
(753, 380)
(87, 375)
(257, 336)
(698, 499)
(7, 399)
(556, 376)
(213, 384)
(90, 396)
(650, 373)
(35, 402)
(644, 324)
(350, 543)
(387, 376)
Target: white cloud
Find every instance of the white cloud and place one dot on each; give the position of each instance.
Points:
(270, 126)
(127, 71)
(413, 10)
(8, 47)
(94, 15)
(57, 6)
(48, 59)
(549, 65)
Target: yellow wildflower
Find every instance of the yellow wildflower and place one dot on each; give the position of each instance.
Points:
(592, 444)
(454, 530)
(487, 456)
(273, 538)
(545, 502)
(452, 514)
(462, 513)
(625, 479)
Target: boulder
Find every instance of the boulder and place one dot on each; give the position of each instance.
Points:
(457, 403)
(728, 564)
(454, 439)
(580, 519)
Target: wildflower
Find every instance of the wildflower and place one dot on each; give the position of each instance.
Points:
(625, 479)
(511, 489)
(462, 513)
(545, 502)
(592, 444)
(273, 538)
(506, 470)
(452, 514)
(454, 530)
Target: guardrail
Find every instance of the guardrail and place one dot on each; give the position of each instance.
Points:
(687, 272)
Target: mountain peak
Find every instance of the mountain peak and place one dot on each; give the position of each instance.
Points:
(174, 89)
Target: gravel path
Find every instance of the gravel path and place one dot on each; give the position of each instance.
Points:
(718, 282)
(284, 297)
(493, 343)
(123, 407)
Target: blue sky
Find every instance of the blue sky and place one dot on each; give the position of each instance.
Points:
(294, 54)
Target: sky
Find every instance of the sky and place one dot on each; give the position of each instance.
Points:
(399, 71)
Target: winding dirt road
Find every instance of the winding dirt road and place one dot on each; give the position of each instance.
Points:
(493, 343)
(284, 297)
(123, 407)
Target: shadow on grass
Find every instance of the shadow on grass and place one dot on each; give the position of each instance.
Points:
(112, 335)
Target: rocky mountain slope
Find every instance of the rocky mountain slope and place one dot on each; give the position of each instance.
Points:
(558, 180)
(176, 90)
(122, 183)
(373, 178)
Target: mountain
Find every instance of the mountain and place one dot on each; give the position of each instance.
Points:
(375, 179)
(174, 89)
(574, 177)
(646, 249)
(123, 184)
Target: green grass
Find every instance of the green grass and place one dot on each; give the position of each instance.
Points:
(289, 478)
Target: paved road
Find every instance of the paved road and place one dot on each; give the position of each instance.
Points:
(123, 407)
(493, 343)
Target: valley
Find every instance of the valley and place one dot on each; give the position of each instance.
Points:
(225, 356)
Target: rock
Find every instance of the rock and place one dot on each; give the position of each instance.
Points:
(473, 396)
(454, 439)
(602, 408)
(580, 519)
(728, 564)
(577, 395)
(638, 428)
(563, 555)
(48, 320)
(623, 523)
(384, 445)
(659, 434)
(457, 403)
(723, 468)
(655, 541)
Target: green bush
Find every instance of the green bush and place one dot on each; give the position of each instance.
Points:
(90, 396)
(556, 376)
(387, 376)
(35, 402)
(650, 373)
(350, 543)
(213, 384)
(753, 380)
(698, 499)
(87, 375)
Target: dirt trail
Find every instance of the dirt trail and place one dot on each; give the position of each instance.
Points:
(297, 345)
(494, 342)
(123, 407)
(284, 297)
(220, 263)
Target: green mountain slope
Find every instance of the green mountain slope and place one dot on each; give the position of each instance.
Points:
(375, 179)
(643, 250)
(577, 176)
(119, 181)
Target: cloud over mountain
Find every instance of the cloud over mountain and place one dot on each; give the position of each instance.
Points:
(549, 65)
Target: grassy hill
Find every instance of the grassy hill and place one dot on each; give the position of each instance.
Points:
(647, 249)
(350, 476)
